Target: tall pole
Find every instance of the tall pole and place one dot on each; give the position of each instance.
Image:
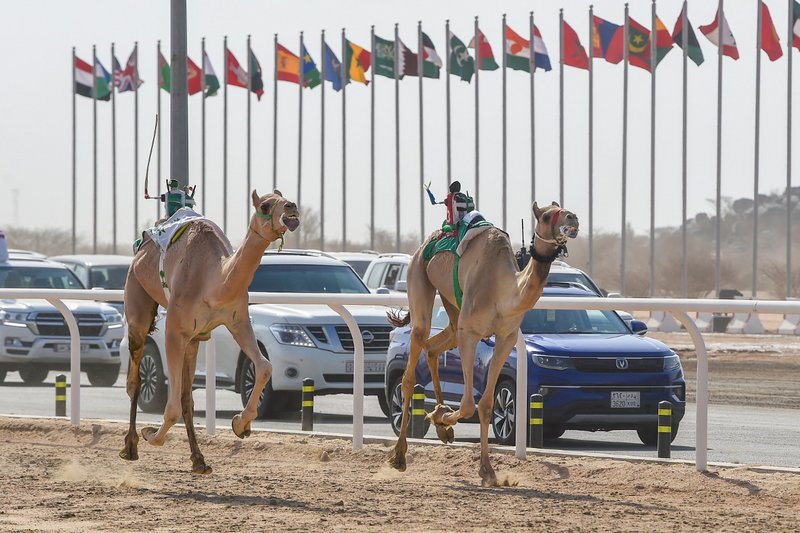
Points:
(477, 113)
(757, 135)
(179, 98)
(447, 100)
(719, 153)
(560, 106)
(653, 46)
(372, 145)
(301, 85)
(158, 159)
(684, 145)
(505, 174)
(113, 156)
(420, 67)
(74, 158)
(344, 71)
(533, 112)
(275, 114)
(249, 90)
(203, 125)
(397, 136)
(789, 37)
(94, 149)
(225, 136)
(625, 47)
(591, 140)
(322, 146)
(136, 139)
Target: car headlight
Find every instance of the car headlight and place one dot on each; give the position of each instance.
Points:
(671, 362)
(553, 362)
(292, 335)
(14, 318)
(114, 320)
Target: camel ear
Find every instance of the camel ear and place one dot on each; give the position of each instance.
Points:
(536, 211)
(555, 204)
(256, 199)
(277, 192)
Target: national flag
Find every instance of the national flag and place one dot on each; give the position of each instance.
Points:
(116, 71)
(164, 76)
(288, 65)
(796, 25)
(431, 62)
(695, 53)
(770, 42)
(574, 52)
(407, 61)
(212, 82)
(712, 32)
(383, 62)
(235, 75)
(484, 53)
(664, 41)
(103, 83)
(83, 78)
(638, 45)
(127, 79)
(310, 72)
(256, 82)
(540, 56)
(606, 37)
(518, 52)
(193, 76)
(357, 61)
(333, 68)
(461, 63)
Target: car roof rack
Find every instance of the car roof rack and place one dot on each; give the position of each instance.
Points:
(299, 251)
(394, 254)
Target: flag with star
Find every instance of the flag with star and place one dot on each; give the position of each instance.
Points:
(461, 63)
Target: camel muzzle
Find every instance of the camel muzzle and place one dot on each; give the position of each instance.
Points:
(569, 231)
(292, 222)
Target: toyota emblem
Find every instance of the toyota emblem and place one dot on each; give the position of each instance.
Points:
(622, 363)
(368, 337)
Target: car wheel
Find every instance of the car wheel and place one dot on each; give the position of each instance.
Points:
(384, 403)
(104, 376)
(153, 390)
(270, 403)
(504, 412)
(33, 375)
(396, 407)
(649, 435)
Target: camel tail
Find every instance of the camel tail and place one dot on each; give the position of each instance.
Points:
(394, 318)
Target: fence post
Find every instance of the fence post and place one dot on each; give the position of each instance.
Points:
(664, 429)
(536, 421)
(418, 412)
(308, 405)
(61, 395)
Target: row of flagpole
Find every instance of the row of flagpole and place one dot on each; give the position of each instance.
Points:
(476, 44)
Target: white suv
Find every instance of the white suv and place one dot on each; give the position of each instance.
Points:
(387, 271)
(301, 341)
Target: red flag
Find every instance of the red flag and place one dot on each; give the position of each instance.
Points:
(770, 42)
(713, 32)
(236, 75)
(194, 77)
(574, 52)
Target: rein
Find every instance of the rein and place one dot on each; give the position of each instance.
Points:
(271, 227)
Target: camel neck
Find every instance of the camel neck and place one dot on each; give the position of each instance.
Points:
(242, 265)
(530, 281)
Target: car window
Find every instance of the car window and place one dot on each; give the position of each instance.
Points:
(572, 321)
(376, 275)
(307, 278)
(360, 266)
(38, 278)
(80, 271)
(392, 275)
(440, 318)
(108, 277)
(403, 273)
(574, 277)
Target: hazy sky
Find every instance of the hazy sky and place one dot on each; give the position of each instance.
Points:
(35, 129)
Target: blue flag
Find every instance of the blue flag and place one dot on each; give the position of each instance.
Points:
(310, 72)
(333, 69)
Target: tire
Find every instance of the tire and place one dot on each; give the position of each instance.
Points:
(103, 376)
(270, 403)
(395, 406)
(33, 375)
(504, 412)
(649, 435)
(382, 401)
(153, 390)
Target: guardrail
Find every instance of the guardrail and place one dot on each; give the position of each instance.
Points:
(677, 307)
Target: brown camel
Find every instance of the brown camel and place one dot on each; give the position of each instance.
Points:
(207, 288)
(496, 296)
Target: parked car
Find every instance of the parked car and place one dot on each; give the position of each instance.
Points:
(301, 341)
(594, 371)
(99, 271)
(360, 261)
(34, 336)
(387, 271)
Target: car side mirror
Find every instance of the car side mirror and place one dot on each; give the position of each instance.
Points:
(401, 286)
(638, 327)
(382, 290)
(613, 295)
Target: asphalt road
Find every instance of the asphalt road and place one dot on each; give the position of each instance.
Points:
(737, 434)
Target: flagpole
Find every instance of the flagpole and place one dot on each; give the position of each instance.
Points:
(625, 46)
(653, 46)
(372, 145)
(533, 112)
(789, 38)
(322, 146)
(477, 113)
(684, 173)
(274, 114)
(344, 72)
(113, 154)
(560, 106)
(301, 84)
(718, 201)
(94, 149)
(591, 141)
(397, 135)
(505, 183)
(447, 100)
(136, 140)
(158, 159)
(225, 139)
(74, 157)
(420, 67)
(249, 90)
(203, 125)
(757, 138)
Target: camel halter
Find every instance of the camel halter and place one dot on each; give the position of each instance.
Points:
(560, 241)
(271, 226)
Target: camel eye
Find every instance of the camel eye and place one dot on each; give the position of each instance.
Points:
(546, 217)
(265, 208)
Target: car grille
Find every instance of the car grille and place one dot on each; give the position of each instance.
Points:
(318, 332)
(609, 364)
(379, 343)
(52, 324)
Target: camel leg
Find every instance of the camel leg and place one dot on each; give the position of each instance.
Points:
(441, 342)
(443, 415)
(187, 405)
(176, 343)
(140, 310)
(501, 351)
(243, 334)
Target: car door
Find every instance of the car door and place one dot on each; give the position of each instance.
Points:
(227, 356)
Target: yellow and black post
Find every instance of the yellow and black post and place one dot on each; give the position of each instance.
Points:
(308, 405)
(664, 429)
(61, 395)
(418, 412)
(536, 421)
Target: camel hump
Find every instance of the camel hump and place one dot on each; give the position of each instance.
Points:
(394, 318)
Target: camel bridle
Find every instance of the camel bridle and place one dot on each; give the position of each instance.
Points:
(559, 241)
(271, 219)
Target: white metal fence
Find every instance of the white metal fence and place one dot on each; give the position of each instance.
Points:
(338, 302)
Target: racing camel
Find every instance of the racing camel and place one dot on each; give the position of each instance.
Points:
(496, 296)
(207, 287)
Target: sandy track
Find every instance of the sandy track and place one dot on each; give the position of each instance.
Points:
(56, 477)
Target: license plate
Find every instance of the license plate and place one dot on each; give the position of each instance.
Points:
(63, 348)
(370, 367)
(625, 399)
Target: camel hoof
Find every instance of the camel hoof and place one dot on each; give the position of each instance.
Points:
(243, 431)
(488, 477)
(199, 466)
(148, 434)
(445, 433)
(437, 414)
(398, 461)
(129, 453)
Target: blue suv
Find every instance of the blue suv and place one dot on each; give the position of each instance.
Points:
(595, 372)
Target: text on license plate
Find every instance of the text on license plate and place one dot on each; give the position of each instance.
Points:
(625, 399)
(64, 347)
(369, 366)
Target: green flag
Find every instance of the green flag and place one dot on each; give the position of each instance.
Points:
(164, 77)
(384, 57)
(694, 52)
(461, 63)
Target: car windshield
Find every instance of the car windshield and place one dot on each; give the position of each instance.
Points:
(14, 277)
(108, 277)
(359, 265)
(307, 278)
(572, 321)
(573, 277)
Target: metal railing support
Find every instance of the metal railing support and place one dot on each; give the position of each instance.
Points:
(74, 360)
(358, 375)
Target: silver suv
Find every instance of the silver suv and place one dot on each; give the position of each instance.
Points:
(34, 338)
(387, 271)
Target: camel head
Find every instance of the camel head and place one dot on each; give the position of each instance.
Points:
(555, 224)
(274, 214)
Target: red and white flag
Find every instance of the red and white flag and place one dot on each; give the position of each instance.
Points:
(236, 75)
(713, 31)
